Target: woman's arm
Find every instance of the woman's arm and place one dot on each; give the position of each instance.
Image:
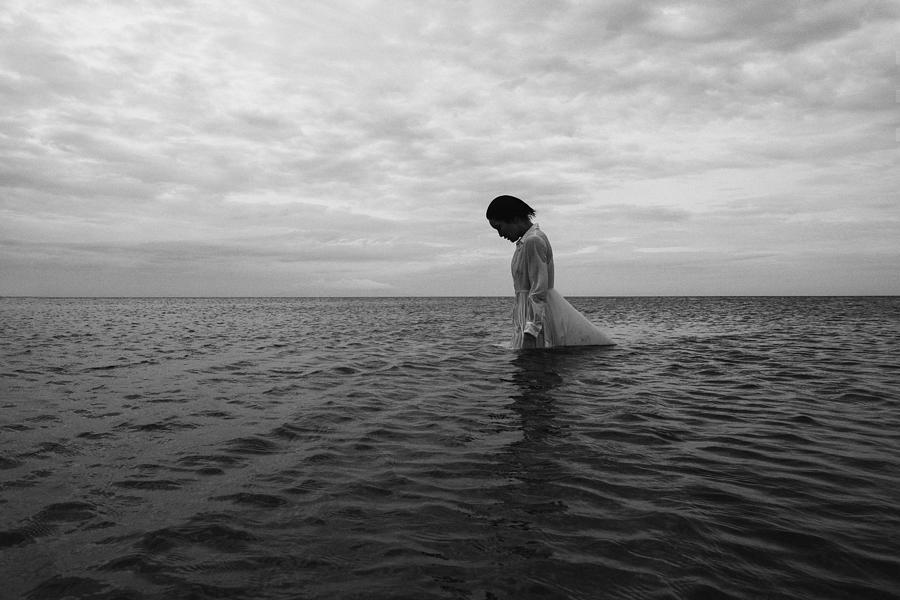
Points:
(536, 264)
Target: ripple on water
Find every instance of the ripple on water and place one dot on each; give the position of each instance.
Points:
(251, 445)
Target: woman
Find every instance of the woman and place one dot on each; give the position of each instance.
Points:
(542, 317)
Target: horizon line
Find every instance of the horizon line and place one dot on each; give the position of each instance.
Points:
(373, 297)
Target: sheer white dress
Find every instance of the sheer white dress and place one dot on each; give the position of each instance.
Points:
(540, 310)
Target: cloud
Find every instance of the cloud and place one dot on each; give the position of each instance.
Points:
(354, 143)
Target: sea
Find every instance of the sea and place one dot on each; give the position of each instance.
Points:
(396, 448)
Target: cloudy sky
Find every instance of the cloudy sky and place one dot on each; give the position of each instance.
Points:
(291, 148)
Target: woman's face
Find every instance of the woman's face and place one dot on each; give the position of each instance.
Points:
(509, 230)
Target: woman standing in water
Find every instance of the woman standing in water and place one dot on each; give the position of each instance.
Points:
(542, 317)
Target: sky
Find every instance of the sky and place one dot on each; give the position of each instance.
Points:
(350, 148)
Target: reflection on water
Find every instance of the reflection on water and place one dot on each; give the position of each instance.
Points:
(535, 375)
(543, 378)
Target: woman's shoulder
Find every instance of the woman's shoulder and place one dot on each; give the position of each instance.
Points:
(535, 238)
(535, 235)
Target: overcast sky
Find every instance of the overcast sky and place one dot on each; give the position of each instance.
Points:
(236, 147)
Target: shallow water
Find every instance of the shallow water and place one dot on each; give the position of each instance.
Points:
(392, 448)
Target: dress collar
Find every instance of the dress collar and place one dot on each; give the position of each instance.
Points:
(534, 227)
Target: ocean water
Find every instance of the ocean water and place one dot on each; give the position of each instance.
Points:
(393, 448)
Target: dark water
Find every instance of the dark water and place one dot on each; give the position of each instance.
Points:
(390, 448)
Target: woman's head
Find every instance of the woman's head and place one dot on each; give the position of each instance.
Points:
(510, 216)
(509, 209)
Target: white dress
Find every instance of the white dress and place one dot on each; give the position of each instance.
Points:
(540, 310)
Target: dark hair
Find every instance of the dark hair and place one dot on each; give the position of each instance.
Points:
(508, 208)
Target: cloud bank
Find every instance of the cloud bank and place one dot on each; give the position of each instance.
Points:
(294, 148)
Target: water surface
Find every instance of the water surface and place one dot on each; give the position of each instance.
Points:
(392, 448)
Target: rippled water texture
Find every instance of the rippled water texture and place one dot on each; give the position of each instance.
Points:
(392, 448)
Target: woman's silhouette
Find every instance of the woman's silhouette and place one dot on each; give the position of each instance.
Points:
(542, 318)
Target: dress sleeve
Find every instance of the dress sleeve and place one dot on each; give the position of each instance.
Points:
(536, 264)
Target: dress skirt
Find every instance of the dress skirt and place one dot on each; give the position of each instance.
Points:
(563, 324)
